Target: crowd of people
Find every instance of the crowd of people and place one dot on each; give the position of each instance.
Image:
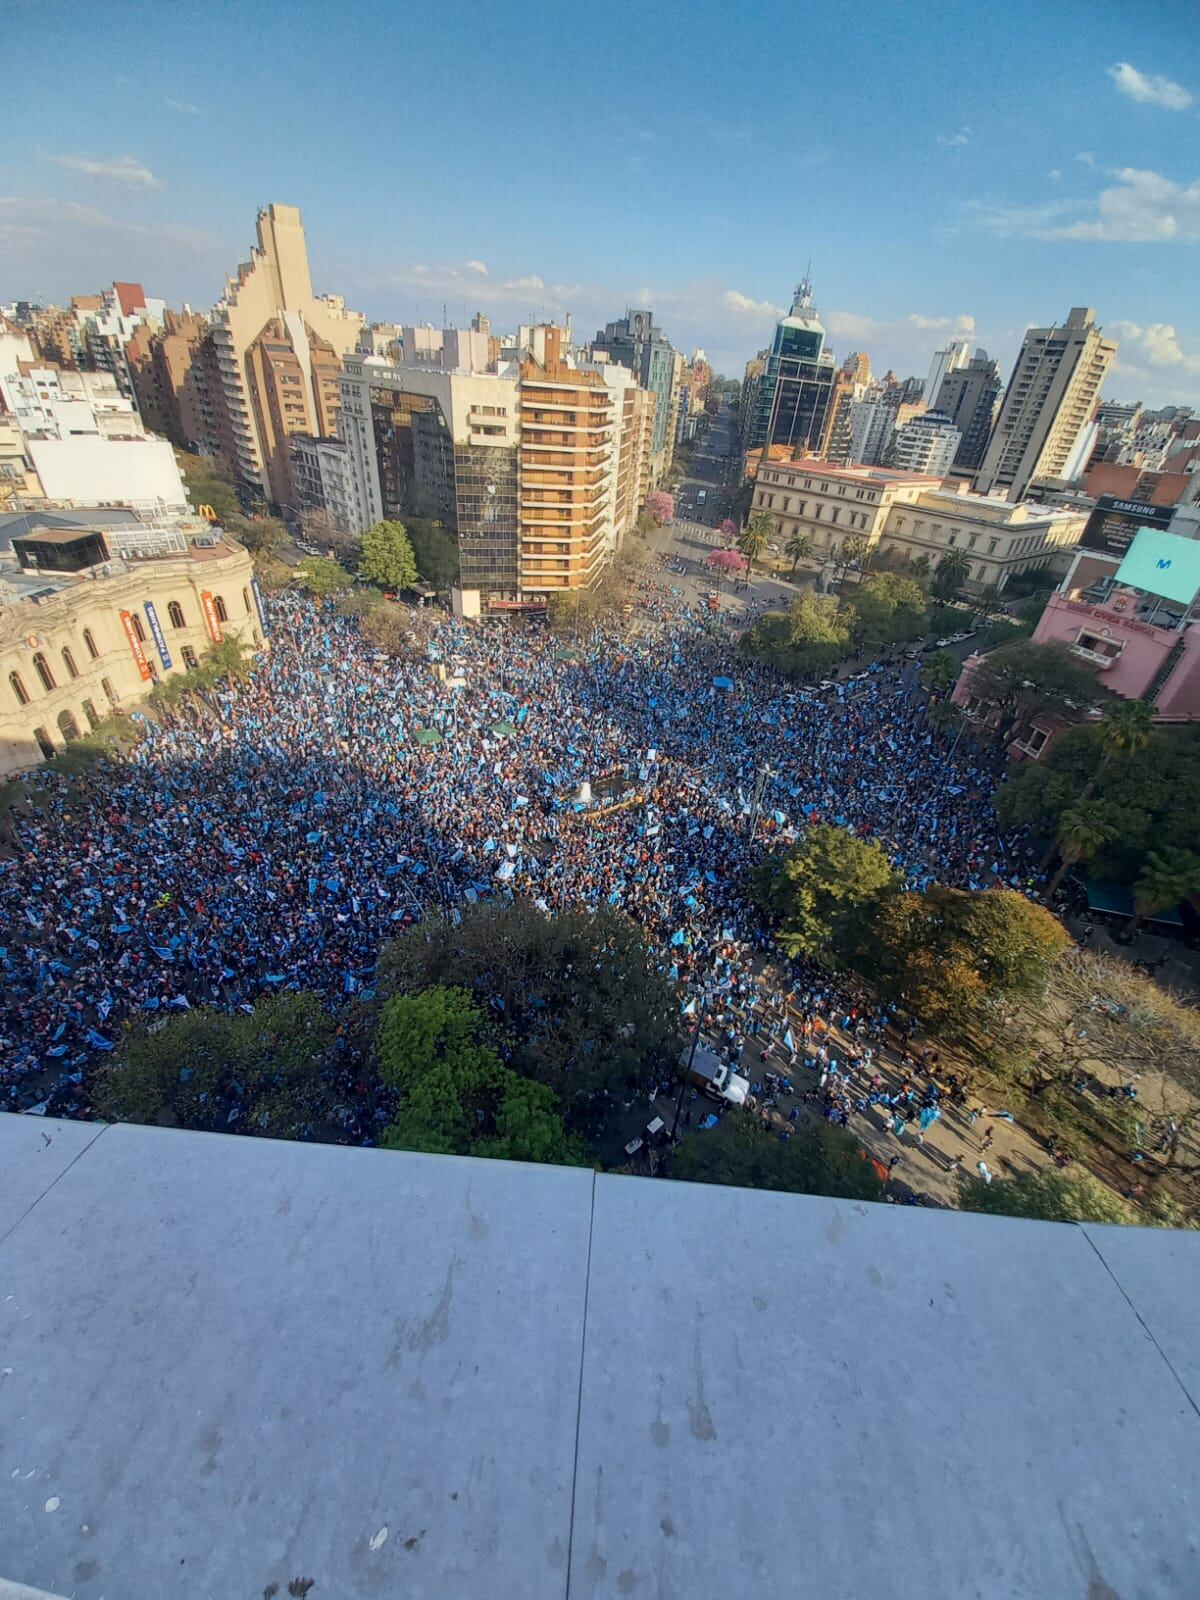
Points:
(274, 839)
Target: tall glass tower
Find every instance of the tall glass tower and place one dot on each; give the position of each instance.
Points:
(797, 383)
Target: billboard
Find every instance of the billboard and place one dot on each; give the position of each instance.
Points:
(135, 644)
(159, 640)
(1164, 564)
(211, 619)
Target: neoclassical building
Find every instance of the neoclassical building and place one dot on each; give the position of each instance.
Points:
(80, 640)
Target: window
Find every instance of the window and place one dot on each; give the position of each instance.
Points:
(189, 658)
(43, 671)
(219, 605)
(69, 663)
(246, 600)
(971, 541)
(89, 712)
(67, 726)
(175, 612)
(90, 643)
(16, 684)
(137, 626)
(992, 543)
(109, 691)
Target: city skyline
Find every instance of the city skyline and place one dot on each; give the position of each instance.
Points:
(983, 221)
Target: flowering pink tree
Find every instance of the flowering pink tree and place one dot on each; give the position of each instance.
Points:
(728, 529)
(661, 505)
(728, 561)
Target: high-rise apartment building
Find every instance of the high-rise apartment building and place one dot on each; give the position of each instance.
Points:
(539, 468)
(926, 444)
(794, 395)
(968, 395)
(170, 380)
(1050, 401)
(951, 359)
(272, 288)
(639, 344)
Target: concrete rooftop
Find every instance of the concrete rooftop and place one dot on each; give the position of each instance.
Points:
(228, 1363)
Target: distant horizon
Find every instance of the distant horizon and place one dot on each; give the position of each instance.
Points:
(678, 165)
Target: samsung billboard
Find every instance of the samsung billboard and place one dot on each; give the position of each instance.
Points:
(1164, 564)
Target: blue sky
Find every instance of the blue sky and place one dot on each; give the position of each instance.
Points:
(950, 168)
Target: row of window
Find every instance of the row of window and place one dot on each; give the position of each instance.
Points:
(46, 676)
(854, 519)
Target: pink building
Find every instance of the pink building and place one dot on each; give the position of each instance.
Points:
(1142, 645)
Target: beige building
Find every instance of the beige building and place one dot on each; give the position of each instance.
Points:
(171, 380)
(1048, 406)
(274, 287)
(910, 515)
(74, 648)
(568, 421)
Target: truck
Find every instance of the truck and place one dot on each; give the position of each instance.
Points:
(704, 1070)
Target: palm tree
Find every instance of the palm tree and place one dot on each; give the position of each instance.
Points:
(800, 548)
(1083, 831)
(752, 540)
(1169, 876)
(953, 570)
(1124, 729)
(920, 566)
(940, 672)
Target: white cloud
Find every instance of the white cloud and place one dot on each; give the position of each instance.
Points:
(1157, 344)
(850, 325)
(737, 301)
(477, 266)
(1087, 157)
(184, 107)
(1149, 88)
(125, 170)
(1140, 207)
(962, 324)
(530, 284)
(955, 140)
(1055, 174)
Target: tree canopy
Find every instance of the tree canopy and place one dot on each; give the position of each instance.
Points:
(455, 1096)
(821, 1159)
(579, 996)
(259, 1073)
(1021, 679)
(889, 608)
(435, 552)
(387, 556)
(822, 889)
(320, 576)
(810, 638)
(944, 952)
(1048, 1195)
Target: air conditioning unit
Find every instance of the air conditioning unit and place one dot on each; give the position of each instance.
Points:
(205, 541)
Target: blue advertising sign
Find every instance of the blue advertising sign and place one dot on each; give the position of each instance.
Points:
(160, 642)
(261, 609)
(1165, 564)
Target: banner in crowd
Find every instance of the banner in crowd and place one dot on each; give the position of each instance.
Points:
(211, 618)
(160, 641)
(258, 605)
(135, 644)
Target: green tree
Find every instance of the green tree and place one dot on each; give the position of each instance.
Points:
(320, 576)
(753, 539)
(740, 1152)
(810, 638)
(1020, 680)
(887, 609)
(944, 953)
(387, 556)
(823, 888)
(260, 1073)
(939, 672)
(800, 548)
(260, 535)
(920, 566)
(435, 552)
(1048, 1195)
(1082, 832)
(953, 570)
(891, 454)
(455, 1095)
(1169, 877)
(584, 1007)
(1125, 728)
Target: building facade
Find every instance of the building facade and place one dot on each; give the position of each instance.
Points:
(321, 478)
(927, 444)
(636, 341)
(274, 287)
(908, 515)
(74, 649)
(952, 359)
(793, 403)
(172, 381)
(1049, 404)
(969, 394)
